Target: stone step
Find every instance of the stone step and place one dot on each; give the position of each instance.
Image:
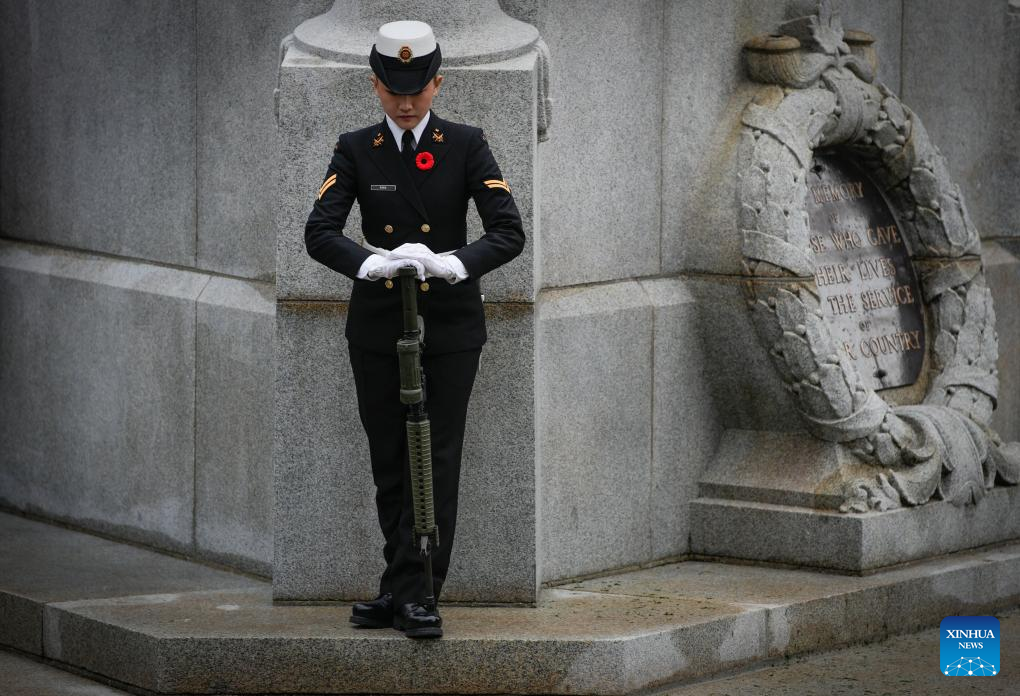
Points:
(43, 564)
(149, 621)
(22, 676)
(903, 665)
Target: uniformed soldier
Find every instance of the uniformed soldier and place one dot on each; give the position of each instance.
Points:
(412, 174)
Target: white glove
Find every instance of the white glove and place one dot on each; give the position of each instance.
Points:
(378, 266)
(444, 266)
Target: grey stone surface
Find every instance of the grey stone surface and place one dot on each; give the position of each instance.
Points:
(850, 542)
(746, 388)
(700, 129)
(42, 563)
(327, 539)
(24, 677)
(884, 21)
(234, 423)
(805, 610)
(523, 10)
(114, 407)
(1002, 272)
(472, 33)
(238, 59)
(774, 533)
(319, 100)
(600, 169)
(701, 117)
(593, 410)
(685, 428)
(967, 93)
(935, 597)
(899, 666)
(553, 648)
(191, 184)
(809, 611)
(781, 469)
(97, 362)
(494, 558)
(98, 143)
(724, 583)
(21, 619)
(680, 621)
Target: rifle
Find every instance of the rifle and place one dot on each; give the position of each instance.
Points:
(419, 433)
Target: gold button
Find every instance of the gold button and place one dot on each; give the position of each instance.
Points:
(389, 283)
(388, 229)
(425, 228)
(425, 287)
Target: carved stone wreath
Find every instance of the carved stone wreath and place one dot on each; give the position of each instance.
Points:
(822, 93)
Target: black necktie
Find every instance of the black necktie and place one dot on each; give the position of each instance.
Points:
(407, 147)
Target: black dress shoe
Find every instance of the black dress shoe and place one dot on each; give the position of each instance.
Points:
(375, 614)
(418, 622)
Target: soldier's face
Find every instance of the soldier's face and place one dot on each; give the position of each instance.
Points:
(407, 109)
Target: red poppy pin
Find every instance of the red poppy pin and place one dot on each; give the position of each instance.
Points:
(424, 161)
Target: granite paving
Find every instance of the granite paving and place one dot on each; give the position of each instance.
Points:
(152, 622)
(903, 665)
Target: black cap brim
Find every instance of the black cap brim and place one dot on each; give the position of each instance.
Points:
(405, 78)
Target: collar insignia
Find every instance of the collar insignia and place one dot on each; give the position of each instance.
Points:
(378, 139)
(437, 135)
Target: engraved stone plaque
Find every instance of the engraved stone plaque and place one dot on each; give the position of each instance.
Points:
(866, 281)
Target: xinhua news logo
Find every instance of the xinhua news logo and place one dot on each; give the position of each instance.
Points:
(969, 646)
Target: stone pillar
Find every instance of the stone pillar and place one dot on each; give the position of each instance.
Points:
(327, 541)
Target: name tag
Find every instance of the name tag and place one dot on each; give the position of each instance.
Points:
(383, 187)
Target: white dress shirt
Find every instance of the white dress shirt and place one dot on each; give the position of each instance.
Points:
(398, 132)
(398, 136)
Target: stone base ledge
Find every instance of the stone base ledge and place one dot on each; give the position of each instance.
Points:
(848, 542)
(147, 622)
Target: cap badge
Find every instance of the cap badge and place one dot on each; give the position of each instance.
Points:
(377, 140)
(437, 136)
(424, 161)
(404, 54)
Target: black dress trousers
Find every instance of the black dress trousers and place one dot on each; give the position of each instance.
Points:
(449, 378)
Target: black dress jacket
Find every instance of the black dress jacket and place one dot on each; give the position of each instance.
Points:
(422, 201)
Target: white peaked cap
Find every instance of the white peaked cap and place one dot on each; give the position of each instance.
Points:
(394, 36)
